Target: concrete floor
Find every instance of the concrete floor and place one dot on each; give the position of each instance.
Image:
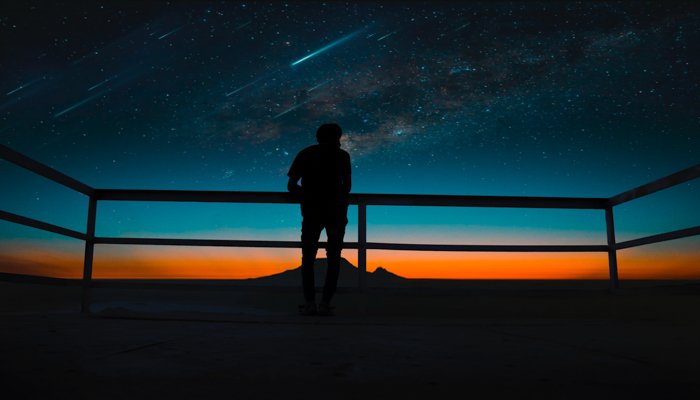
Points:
(494, 344)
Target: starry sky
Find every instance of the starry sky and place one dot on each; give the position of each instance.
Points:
(485, 98)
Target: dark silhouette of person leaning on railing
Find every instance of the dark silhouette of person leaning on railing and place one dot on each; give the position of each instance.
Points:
(324, 171)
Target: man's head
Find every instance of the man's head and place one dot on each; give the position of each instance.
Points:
(329, 134)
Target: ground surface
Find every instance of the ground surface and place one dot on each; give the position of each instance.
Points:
(485, 342)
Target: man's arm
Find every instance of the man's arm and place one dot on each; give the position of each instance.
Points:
(295, 173)
(347, 178)
(293, 184)
(347, 183)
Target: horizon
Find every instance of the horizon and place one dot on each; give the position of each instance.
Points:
(185, 263)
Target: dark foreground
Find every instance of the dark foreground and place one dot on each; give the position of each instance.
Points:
(505, 342)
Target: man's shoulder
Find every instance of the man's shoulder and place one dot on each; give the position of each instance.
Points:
(305, 153)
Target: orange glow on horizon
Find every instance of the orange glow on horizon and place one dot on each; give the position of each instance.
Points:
(424, 265)
(153, 262)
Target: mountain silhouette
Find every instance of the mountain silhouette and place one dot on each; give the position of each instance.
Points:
(348, 275)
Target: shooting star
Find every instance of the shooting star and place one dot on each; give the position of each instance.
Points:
(295, 106)
(24, 85)
(386, 36)
(326, 47)
(242, 87)
(86, 56)
(462, 27)
(101, 83)
(171, 32)
(319, 85)
(243, 25)
(80, 103)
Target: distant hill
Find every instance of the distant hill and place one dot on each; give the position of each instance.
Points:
(348, 276)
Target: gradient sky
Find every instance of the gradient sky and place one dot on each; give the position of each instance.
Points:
(519, 98)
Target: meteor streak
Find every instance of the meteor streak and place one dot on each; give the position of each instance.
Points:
(78, 104)
(295, 107)
(319, 85)
(170, 33)
(242, 87)
(244, 25)
(24, 85)
(101, 83)
(326, 47)
(386, 36)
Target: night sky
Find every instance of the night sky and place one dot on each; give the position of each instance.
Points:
(507, 98)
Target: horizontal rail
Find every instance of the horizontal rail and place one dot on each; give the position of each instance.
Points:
(355, 198)
(213, 196)
(44, 170)
(657, 185)
(44, 226)
(350, 245)
(479, 201)
(662, 237)
(518, 248)
(203, 242)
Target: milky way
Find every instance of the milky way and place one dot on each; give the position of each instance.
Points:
(549, 98)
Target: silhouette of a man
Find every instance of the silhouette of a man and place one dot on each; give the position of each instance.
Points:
(324, 170)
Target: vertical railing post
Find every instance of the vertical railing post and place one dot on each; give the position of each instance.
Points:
(87, 262)
(612, 247)
(362, 244)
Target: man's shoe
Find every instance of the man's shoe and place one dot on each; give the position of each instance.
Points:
(308, 309)
(325, 310)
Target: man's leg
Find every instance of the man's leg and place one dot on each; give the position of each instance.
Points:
(310, 232)
(335, 230)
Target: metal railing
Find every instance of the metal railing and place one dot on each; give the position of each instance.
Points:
(362, 201)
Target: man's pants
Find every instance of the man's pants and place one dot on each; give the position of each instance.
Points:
(332, 217)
